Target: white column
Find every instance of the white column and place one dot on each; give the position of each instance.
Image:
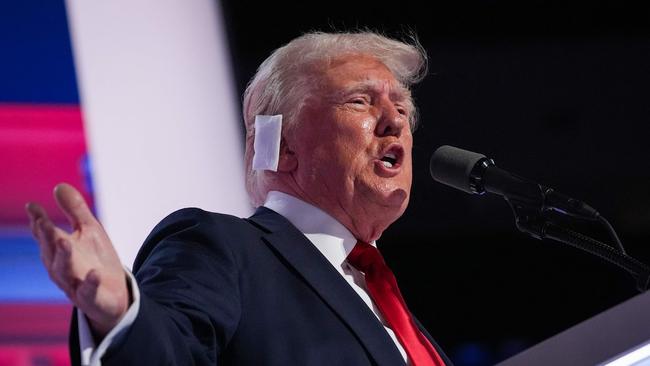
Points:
(160, 112)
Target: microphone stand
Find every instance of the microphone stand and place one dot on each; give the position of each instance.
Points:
(531, 219)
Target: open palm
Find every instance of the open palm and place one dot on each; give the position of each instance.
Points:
(82, 263)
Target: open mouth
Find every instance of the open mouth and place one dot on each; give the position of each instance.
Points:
(389, 160)
(392, 156)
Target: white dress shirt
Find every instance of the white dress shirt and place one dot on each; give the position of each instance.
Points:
(329, 236)
(332, 239)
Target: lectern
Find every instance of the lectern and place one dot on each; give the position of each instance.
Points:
(619, 336)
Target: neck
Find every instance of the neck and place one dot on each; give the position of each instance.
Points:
(364, 221)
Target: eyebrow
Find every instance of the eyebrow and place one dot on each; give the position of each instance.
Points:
(397, 92)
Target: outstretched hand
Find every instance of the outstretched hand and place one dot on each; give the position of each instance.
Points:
(82, 263)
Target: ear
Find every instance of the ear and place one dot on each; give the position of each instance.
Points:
(288, 161)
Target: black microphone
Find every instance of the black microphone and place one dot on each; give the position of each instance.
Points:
(476, 174)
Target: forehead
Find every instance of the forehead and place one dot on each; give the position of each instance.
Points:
(358, 71)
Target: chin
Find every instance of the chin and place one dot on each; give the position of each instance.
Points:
(396, 199)
(385, 198)
(384, 208)
(391, 208)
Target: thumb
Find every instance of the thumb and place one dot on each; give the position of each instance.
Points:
(87, 291)
(102, 308)
(72, 203)
(87, 301)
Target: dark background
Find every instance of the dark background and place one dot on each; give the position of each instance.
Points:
(554, 91)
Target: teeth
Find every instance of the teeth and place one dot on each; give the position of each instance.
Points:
(387, 164)
(391, 156)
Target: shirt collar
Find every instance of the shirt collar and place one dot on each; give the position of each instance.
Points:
(329, 236)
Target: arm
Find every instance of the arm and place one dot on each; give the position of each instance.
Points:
(190, 303)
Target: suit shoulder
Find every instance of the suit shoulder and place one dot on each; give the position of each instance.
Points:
(192, 216)
(196, 226)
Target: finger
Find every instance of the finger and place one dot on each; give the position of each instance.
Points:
(73, 205)
(46, 249)
(51, 236)
(34, 211)
(50, 232)
(60, 270)
(36, 217)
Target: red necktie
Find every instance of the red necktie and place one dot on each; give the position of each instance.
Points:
(383, 289)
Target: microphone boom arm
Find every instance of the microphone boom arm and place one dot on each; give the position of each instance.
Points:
(531, 222)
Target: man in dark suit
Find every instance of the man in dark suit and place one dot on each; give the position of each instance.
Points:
(328, 154)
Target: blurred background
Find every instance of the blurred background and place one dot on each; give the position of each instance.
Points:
(41, 142)
(557, 92)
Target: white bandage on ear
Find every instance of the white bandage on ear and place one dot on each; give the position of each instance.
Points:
(268, 132)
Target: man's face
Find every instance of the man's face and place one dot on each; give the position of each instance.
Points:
(353, 145)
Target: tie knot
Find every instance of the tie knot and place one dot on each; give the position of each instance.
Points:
(364, 257)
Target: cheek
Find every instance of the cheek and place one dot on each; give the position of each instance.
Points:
(356, 150)
(367, 125)
(352, 144)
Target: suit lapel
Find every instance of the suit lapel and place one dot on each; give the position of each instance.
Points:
(300, 253)
(433, 342)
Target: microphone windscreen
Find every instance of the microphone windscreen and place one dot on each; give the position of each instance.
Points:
(452, 166)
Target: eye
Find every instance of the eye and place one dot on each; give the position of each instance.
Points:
(401, 110)
(360, 100)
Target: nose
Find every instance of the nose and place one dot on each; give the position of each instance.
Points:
(391, 122)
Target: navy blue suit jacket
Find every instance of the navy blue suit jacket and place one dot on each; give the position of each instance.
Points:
(220, 290)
